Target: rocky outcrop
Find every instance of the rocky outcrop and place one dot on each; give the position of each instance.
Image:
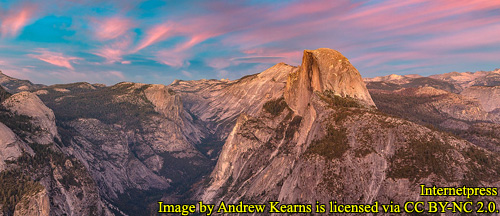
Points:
(354, 155)
(106, 153)
(324, 70)
(44, 181)
(134, 139)
(3, 94)
(11, 147)
(218, 103)
(464, 104)
(37, 204)
(463, 116)
(28, 104)
(452, 105)
(318, 146)
(488, 96)
(170, 105)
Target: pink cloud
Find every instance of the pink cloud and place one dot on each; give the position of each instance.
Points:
(396, 15)
(110, 54)
(305, 8)
(198, 29)
(466, 39)
(261, 55)
(194, 30)
(111, 28)
(171, 58)
(352, 28)
(294, 24)
(13, 21)
(114, 52)
(55, 58)
(154, 35)
(377, 58)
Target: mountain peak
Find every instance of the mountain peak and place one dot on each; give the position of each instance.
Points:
(321, 70)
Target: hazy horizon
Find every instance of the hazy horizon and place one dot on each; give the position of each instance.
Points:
(111, 84)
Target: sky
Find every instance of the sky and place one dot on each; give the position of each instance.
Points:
(62, 41)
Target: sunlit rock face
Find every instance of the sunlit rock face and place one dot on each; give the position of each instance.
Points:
(324, 141)
(28, 104)
(10, 146)
(321, 70)
(488, 96)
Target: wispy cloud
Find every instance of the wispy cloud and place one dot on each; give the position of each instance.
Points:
(172, 58)
(112, 27)
(14, 20)
(55, 58)
(114, 51)
(154, 35)
(483, 36)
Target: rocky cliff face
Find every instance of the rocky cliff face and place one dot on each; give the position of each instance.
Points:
(11, 147)
(37, 177)
(428, 100)
(488, 96)
(34, 204)
(321, 145)
(218, 103)
(457, 114)
(136, 140)
(464, 104)
(3, 94)
(324, 70)
(352, 155)
(28, 104)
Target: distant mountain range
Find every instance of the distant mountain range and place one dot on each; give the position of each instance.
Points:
(454, 82)
(317, 132)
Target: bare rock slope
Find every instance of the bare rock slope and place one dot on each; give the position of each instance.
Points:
(324, 69)
(321, 142)
(28, 104)
(488, 96)
(37, 177)
(11, 147)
